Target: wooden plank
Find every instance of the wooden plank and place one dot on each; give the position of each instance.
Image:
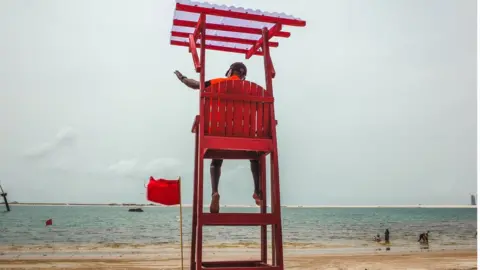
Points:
(259, 134)
(232, 154)
(246, 110)
(221, 110)
(206, 114)
(239, 97)
(238, 219)
(237, 108)
(229, 107)
(235, 143)
(214, 112)
(253, 111)
(266, 119)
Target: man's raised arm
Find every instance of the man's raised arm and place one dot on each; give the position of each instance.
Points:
(194, 84)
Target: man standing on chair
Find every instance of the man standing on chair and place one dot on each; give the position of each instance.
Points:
(237, 71)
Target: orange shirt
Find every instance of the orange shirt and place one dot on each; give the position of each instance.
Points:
(217, 80)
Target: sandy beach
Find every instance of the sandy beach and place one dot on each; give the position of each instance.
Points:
(167, 257)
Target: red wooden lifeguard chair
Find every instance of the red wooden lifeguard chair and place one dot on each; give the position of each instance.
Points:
(236, 119)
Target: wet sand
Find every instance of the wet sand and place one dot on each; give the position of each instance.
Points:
(167, 257)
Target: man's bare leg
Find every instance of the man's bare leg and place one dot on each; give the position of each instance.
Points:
(255, 168)
(215, 172)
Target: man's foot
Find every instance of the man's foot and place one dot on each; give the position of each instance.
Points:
(215, 203)
(257, 198)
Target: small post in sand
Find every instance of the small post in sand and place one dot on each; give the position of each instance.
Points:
(181, 222)
(4, 195)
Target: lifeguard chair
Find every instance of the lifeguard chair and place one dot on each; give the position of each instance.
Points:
(236, 118)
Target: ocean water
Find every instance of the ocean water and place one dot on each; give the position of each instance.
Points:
(318, 227)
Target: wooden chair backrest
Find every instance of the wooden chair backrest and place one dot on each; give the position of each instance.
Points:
(237, 108)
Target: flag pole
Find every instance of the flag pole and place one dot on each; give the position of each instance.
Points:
(181, 223)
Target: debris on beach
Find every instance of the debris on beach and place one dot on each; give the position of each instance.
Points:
(4, 195)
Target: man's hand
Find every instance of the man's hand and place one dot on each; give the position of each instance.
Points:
(188, 82)
(179, 75)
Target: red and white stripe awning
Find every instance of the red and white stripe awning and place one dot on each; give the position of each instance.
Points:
(228, 28)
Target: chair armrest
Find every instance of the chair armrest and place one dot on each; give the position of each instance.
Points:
(195, 124)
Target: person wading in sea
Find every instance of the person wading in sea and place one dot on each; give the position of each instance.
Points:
(423, 238)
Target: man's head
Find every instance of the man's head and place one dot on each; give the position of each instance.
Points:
(237, 68)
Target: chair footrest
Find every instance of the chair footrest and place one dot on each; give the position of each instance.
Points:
(237, 219)
(238, 265)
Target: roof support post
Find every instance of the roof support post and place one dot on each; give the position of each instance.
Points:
(192, 39)
(275, 29)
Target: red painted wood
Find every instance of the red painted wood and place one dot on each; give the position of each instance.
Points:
(198, 27)
(246, 110)
(238, 108)
(275, 29)
(260, 123)
(193, 51)
(240, 15)
(196, 121)
(194, 205)
(239, 97)
(232, 263)
(199, 153)
(254, 91)
(263, 208)
(212, 47)
(272, 68)
(231, 154)
(245, 128)
(207, 115)
(266, 119)
(275, 175)
(233, 143)
(272, 44)
(214, 112)
(267, 267)
(229, 113)
(237, 219)
(222, 110)
(242, 265)
(229, 28)
(238, 266)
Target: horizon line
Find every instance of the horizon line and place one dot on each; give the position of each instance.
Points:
(251, 206)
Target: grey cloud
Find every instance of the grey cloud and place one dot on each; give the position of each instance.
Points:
(65, 137)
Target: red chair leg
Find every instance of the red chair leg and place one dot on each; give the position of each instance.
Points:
(194, 207)
(263, 208)
(199, 241)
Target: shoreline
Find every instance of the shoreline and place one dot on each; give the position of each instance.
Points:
(298, 247)
(169, 258)
(251, 206)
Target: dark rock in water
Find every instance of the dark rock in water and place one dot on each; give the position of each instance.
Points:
(135, 210)
(387, 248)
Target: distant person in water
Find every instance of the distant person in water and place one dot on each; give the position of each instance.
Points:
(387, 236)
(377, 238)
(423, 238)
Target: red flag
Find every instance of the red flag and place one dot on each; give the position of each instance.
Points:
(162, 191)
(49, 222)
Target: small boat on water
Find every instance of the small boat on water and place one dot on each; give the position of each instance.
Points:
(135, 210)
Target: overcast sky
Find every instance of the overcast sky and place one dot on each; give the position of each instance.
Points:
(376, 102)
